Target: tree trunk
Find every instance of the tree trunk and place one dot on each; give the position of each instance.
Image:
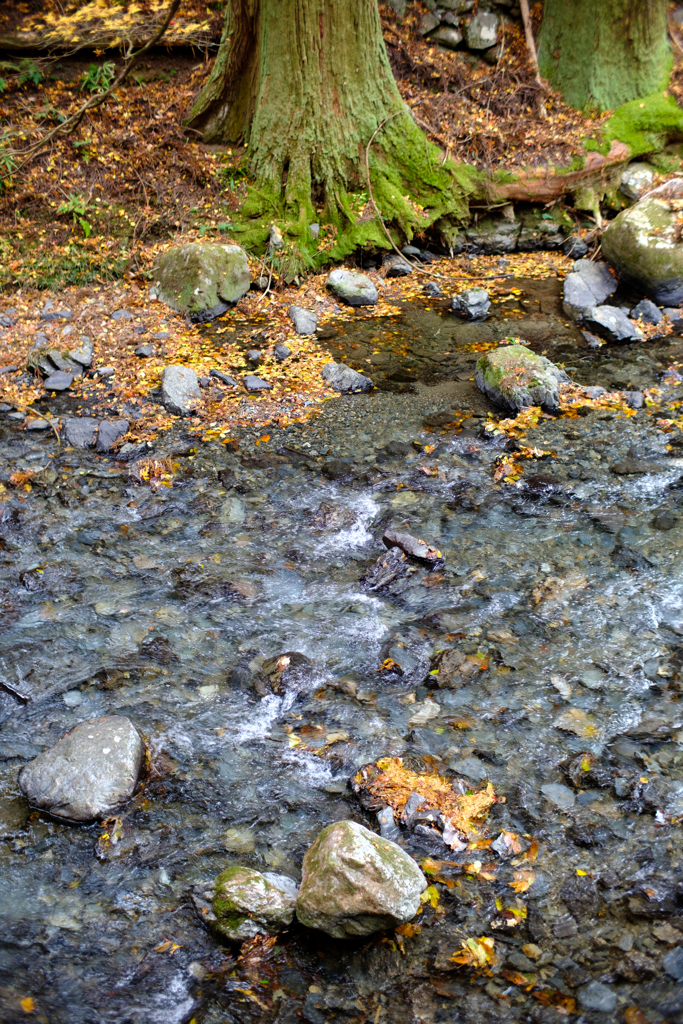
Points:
(306, 84)
(602, 53)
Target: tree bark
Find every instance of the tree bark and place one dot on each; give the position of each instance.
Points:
(305, 84)
(600, 54)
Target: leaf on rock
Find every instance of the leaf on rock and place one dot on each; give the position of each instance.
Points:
(477, 953)
(389, 782)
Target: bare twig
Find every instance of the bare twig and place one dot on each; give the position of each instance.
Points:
(66, 127)
(533, 55)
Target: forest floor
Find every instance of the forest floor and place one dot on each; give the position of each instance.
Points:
(83, 223)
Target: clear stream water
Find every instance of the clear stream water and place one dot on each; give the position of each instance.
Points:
(165, 607)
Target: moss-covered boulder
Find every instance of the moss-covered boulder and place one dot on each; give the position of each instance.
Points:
(246, 903)
(644, 246)
(514, 378)
(202, 280)
(355, 883)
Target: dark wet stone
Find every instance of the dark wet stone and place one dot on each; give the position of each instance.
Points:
(224, 378)
(281, 352)
(589, 835)
(598, 997)
(109, 433)
(636, 967)
(432, 289)
(673, 963)
(253, 383)
(412, 546)
(89, 773)
(398, 449)
(58, 381)
(439, 419)
(647, 312)
(50, 315)
(81, 431)
(631, 467)
(332, 517)
(387, 568)
(159, 649)
(665, 520)
(565, 926)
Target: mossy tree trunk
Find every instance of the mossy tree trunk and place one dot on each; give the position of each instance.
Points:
(305, 84)
(600, 54)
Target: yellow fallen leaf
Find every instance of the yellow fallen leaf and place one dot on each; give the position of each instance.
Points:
(28, 1004)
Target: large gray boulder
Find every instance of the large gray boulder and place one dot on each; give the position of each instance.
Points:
(245, 903)
(589, 285)
(611, 323)
(180, 390)
(89, 773)
(351, 288)
(643, 245)
(354, 883)
(481, 31)
(344, 379)
(202, 280)
(514, 378)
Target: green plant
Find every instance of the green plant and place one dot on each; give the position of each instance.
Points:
(98, 77)
(8, 163)
(26, 70)
(76, 206)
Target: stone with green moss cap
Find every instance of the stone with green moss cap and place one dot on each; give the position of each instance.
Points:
(245, 903)
(514, 377)
(644, 247)
(202, 280)
(355, 883)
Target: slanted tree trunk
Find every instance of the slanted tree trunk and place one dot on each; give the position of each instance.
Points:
(305, 84)
(600, 54)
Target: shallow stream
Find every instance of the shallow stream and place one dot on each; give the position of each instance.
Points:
(565, 589)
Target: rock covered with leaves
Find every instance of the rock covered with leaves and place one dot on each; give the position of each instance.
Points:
(202, 280)
(515, 378)
(89, 773)
(243, 903)
(354, 883)
(644, 246)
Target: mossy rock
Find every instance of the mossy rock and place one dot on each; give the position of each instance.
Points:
(247, 903)
(643, 246)
(202, 280)
(354, 883)
(515, 378)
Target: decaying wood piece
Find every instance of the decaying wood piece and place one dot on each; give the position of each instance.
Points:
(539, 186)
